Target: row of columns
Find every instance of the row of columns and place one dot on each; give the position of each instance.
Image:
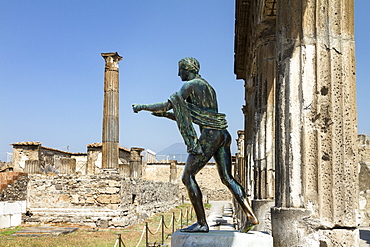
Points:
(300, 128)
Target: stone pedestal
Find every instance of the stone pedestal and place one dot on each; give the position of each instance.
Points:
(221, 239)
(290, 224)
(262, 210)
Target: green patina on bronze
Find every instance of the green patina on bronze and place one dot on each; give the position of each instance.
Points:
(196, 103)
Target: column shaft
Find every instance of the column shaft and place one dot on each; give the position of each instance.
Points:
(316, 148)
(110, 136)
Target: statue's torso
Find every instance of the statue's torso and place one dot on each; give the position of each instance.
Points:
(202, 95)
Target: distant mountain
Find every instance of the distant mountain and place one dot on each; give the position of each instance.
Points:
(176, 151)
(177, 148)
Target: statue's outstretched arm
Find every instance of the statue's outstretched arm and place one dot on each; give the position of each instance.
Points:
(156, 107)
(166, 114)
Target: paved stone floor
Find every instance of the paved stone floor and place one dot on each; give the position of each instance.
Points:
(44, 231)
(219, 217)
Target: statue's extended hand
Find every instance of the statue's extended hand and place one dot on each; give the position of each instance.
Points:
(136, 108)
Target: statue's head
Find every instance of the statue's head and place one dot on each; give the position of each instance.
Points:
(188, 68)
(190, 64)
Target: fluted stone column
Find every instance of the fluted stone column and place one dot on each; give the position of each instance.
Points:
(110, 136)
(316, 148)
(264, 121)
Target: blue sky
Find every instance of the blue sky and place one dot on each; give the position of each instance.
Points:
(51, 71)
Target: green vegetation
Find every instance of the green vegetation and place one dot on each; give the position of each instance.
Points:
(84, 237)
(10, 231)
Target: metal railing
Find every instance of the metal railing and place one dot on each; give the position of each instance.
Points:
(183, 217)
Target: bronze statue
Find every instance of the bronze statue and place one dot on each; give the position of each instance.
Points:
(196, 103)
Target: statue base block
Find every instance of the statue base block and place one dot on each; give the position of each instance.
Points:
(216, 238)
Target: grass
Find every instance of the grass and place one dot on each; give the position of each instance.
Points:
(84, 237)
(9, 231)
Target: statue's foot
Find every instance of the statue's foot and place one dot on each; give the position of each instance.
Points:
(248, 226)
(196, 227)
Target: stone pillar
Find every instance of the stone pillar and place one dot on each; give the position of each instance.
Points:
(240, 160)
(110, 137)
(264, 76)
(173, 171)
(94, 158)
(136, 162)
(316, 150)
(264, 152)
(247, 172)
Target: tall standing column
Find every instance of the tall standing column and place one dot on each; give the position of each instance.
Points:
(316, 200)
(110, 136)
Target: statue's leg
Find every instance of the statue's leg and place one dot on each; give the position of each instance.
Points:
(223, 160)
(195, 162)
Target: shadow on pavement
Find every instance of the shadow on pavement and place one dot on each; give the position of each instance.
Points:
(365, 235)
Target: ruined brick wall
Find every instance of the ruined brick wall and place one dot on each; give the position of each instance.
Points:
(13, 186)
(208, 180)
(97, 200)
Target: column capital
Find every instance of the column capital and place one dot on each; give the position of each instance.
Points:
(111, 59)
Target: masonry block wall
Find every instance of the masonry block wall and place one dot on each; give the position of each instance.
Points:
(208, 180)
(105, 200)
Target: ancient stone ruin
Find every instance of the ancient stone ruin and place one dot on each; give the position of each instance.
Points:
(297, 60)
(108, 186)
(299, 157)
(100, 188)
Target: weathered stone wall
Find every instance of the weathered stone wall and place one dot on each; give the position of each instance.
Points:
(106, 200)
(48, 155)
(364, 179)
(81, 164)
(208, 180)
(24, 151)
(34, 158)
